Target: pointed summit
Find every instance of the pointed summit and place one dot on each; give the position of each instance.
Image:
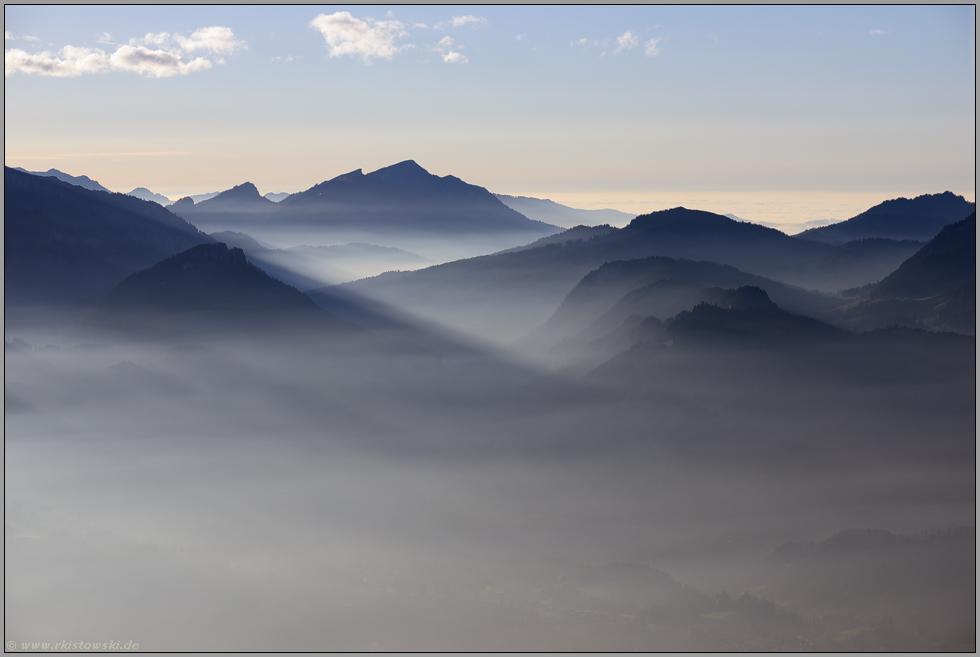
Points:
(406, 171)
(244, 192)
(406, 198)
(231, 208)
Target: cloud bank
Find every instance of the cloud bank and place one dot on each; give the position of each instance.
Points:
(167, 55)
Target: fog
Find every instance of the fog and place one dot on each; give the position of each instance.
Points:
(375, 491)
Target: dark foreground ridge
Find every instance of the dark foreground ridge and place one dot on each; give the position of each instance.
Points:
(211, 289)
(65, 245)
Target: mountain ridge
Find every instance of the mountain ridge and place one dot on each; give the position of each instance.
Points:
(211, 290)
(919, 218)
(66, 245)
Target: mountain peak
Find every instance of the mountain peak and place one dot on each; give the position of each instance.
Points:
(920, 218)
(680, 218)
(243, 192)
(406, 170)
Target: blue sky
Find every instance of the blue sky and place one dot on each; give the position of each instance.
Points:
(614, 102)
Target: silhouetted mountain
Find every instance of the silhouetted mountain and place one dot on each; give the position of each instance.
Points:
(275, 197)
(556, 214)
(934, 289)
(79, 181)
(920, 218)
(238, 240)
(402, 205)
(240, 205)
(403, 197)
(147, 195)
(65, 245)
(682, 233)
(744, 316)
(529, 284)
(658, 286)
(210, 290)
(945, 263)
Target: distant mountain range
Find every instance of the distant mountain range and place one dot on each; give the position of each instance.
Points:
(402, 198)
(140, 192)
(69, 245)
(147, 195)
(656, 286)
(508, 293)
(920, 218)
(935, 289)
(80, 181)
(549, 212)
(66, 245)
(241, 205)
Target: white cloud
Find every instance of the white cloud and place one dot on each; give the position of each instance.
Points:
(450, 56)
(460, 21)
(7, 36)
(581, 42)
(627, 40)
(151, 39)
(166, 58)
(215, 39)
(651, 49)
(70, 62)
(877, 32)
(346, 35)
(421, 26)
(520, 37)
(455, 58)
(155, 63)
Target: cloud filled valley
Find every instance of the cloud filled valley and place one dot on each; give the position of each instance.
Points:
(392, 412)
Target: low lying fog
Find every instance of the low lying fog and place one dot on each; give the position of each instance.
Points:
(368, 497)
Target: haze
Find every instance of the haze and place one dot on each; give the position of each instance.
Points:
(490, 328)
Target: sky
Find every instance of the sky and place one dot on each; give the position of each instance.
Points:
(780, 114)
